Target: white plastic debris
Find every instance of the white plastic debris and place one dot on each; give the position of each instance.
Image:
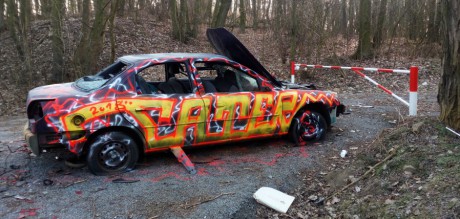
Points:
(425, 83)
(458, 134)
(274, 199)
(343, 153)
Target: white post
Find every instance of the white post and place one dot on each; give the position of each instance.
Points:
(413, 89)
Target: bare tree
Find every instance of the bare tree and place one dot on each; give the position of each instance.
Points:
(449, 88)
(114, 5)
(242, 10)
(2, 17)
(378, 35)
(57, 68)
(220, 16)
(364, 49)
(177, 22)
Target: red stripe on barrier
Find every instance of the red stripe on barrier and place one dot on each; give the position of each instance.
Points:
(336, 67)
(413, 79)
(359, 73)
(385, 70)
(292, 67)
(303, 65)
(318, 66)
(384, 89)
(357, 68)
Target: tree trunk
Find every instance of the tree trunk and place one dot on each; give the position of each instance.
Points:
(364, 49)
(80, 57)
(45, 8)
(113, 12)
(449, 87)
(254, 14)
(36, 6)
(196, 18)
(378, 35)
(178, 30)
(121, 8)
(242, 16)
(57, 44)
(343, 18)
(96, 36)
(221, 15)
(293, 31)
(14, 28)
(433, 26)
(2, 17)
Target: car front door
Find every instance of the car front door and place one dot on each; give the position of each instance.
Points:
(237, 106)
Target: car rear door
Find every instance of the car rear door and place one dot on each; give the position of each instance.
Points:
(168, 111)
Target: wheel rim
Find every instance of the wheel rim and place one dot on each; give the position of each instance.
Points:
(308, 126)
(114, 155)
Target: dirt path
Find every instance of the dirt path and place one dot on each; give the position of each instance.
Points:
(164, 189)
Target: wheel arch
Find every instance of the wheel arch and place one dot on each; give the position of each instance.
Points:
(320, 108)
(135, 134)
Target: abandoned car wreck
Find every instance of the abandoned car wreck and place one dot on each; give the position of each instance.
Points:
(151, 102)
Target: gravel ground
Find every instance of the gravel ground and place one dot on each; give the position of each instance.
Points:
(228, 175)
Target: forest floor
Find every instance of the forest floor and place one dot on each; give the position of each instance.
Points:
(418, 159)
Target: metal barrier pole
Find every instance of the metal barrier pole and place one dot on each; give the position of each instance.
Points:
(413, 89)
(292, 72)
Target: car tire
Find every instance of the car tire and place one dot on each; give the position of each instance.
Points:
(307, 126)
(112, 152)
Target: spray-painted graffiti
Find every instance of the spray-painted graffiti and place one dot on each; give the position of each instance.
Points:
(72, 114)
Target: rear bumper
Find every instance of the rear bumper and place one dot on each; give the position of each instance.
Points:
(31, 140)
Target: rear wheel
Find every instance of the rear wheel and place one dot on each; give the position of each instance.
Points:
(112, 152)
(308, 126)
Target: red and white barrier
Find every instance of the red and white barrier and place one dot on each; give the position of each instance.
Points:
(413, 80)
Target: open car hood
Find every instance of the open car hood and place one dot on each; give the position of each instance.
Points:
(227, 44)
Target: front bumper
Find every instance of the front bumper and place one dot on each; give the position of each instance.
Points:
(31, 140)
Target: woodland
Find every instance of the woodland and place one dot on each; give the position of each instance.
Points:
(300, 30)
(400, 167)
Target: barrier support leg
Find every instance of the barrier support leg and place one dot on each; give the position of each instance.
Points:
(413, 91)
(292, 72)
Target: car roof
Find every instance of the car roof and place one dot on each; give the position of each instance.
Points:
(142, 57)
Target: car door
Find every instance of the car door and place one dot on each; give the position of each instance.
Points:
(237, 106)
(167, 110)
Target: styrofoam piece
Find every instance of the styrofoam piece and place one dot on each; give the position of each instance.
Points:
(274, 199)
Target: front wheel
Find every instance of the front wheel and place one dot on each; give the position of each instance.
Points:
(308, 126)
(112, 152)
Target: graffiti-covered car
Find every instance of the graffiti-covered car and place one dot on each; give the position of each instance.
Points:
(151, 102)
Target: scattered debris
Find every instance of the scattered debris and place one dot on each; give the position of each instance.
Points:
(312, 197)
(76, 182)
(416, 127)
(393, 121)
(78, 192)
(274, 199)
(121, 180)
(389, 202)
(458, 134)
(425, 83)
(343, 153)
(207, 200)
(28, 212)
(15, 167)
(335, 200)
(48, 182)
(362, 106)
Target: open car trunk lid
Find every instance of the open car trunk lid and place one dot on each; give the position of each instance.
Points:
(227, 44)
